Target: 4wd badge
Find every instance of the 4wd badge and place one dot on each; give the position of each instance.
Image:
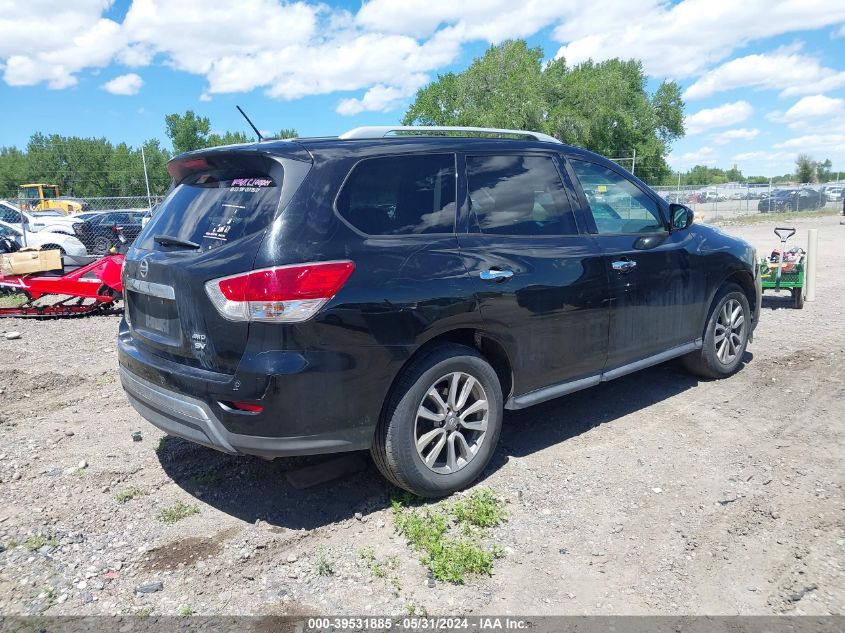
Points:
(199, 342)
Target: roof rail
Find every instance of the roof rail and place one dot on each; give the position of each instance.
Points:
(382, 131)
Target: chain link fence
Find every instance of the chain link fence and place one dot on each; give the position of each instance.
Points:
(98, 226)
(734, 200)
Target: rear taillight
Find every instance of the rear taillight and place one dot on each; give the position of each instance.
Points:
(282, 294)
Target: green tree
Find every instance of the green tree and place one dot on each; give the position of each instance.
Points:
(603, 106)
(805, 168)
(187, 131)
(824, 170)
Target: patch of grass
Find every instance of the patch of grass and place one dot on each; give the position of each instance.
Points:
(128, 494)
(12, 300)
(324, 564)
(480, 509)
(37, 541)
(430, 531)
(186, 611)
(378, 568)
(208, 480)
(177, 512)
(49, 593)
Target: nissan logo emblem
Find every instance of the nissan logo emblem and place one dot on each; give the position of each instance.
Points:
(144, 268)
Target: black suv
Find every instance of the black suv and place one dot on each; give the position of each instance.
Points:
(396, 289)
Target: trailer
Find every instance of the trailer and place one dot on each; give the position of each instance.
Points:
(86, 290)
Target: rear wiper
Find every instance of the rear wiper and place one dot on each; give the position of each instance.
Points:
(169, 240)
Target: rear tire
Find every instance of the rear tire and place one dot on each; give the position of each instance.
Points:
(725, 335)
(449, 391)
(798, 298)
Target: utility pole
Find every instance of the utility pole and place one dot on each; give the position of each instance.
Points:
(146, 178)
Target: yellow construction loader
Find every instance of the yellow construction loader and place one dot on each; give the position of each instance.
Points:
(41, 197)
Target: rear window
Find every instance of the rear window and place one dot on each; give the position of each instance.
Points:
(213, 209)
(401, 195)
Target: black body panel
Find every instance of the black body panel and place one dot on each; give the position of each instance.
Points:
(564, 316)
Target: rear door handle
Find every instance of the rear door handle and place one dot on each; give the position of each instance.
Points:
(496, 275)
(624, 265)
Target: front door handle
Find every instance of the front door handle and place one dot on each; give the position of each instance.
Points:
(624, 265)
(496, 275)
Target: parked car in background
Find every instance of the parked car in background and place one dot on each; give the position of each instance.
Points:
(834, 194)
(67, 245)
(52, 221)
(100, 233)
(791, 200)
(711, 195)
(397, 293)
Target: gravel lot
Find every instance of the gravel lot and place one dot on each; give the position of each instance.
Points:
(653, 494)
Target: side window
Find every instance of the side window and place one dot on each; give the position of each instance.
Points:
(517, 195)
(401, 195)
(9, 215)
(617, 204)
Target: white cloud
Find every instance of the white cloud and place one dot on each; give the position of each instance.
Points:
(704, 155)
(295, 48)
(52, 40)
(786, 70)
(379, 98)
(683, 39)
(721, 116)
(738, 134)
(809, 110)
(126, 85)
(816, 143)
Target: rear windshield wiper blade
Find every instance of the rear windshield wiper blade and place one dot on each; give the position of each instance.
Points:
(169, 240)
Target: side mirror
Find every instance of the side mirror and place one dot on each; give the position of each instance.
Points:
(682, 216)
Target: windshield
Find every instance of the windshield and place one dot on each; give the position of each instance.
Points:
(214, 208)
(49, 192)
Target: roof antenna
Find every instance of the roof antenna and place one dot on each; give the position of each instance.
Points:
(251, 124)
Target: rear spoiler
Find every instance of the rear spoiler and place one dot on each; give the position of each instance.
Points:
(253, 156)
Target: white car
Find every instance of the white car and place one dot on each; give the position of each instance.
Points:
(43, 240)
(834, 194)
(52, 221)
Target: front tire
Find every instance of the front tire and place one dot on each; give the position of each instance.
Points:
(725, 335)
(442, 422)
(798, 298)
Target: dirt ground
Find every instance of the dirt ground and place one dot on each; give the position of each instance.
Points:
(653, 494)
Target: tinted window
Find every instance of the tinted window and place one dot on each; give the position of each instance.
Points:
(214, 208)
(401, 195)
(517, 195)
(617, 204)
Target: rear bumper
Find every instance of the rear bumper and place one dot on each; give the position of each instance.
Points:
(193, 419)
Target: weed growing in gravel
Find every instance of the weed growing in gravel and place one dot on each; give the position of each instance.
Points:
(427, 530)
(177, 512)
(186, 611)
(480, 509)
(128, 494)
(37, 541)
(324, 565)
(208, 480)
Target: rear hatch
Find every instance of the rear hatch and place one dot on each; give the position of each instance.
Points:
(210, 226)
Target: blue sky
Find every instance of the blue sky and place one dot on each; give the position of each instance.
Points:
(763, 79)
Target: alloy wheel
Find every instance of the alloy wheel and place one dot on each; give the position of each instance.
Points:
(730, 331)
(451, 422)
